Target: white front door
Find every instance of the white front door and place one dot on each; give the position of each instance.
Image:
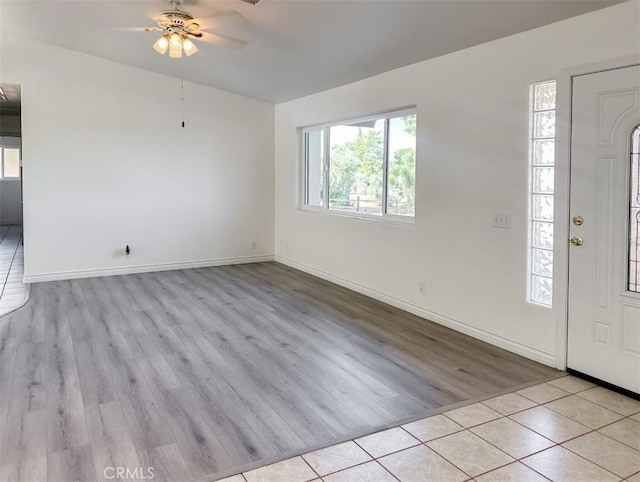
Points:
(604, 305)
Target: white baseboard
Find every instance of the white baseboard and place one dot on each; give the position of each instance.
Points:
(65, 275)
(497, 340)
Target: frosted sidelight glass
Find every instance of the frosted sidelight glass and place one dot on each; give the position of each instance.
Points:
(541, 175)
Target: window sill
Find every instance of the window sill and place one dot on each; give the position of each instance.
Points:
(387, 219)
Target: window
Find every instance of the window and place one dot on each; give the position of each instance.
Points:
(634, 214)
(363, 166)
(10, 159)
(541, 161)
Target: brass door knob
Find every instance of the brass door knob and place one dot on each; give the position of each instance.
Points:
(576, 241)
(578, 220)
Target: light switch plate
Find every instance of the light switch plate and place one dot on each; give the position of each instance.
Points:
(502, 220)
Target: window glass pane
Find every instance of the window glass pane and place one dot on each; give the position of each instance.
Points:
(542, 260)
(634, 276)
(355, 167)
(542, 207)
(315, 168)
(544, 152)
(543, 180)
(543, 235)
(402, 166)
(11, 163)
(545, 96)
(544, 124)
(541, 290)
(634, 215)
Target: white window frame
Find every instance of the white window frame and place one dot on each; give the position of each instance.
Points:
(10, 143)
(325, 209)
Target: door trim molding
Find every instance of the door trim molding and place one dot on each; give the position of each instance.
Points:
(562, 189)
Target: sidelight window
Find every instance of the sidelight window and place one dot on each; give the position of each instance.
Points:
(542, 146)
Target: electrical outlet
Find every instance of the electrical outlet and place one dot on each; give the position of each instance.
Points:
(501, 220)
(421, 288)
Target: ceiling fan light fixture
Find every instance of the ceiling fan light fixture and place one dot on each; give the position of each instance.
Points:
(175, 46)
(189, 47)
(175, 40)
(177, 26)
(162, 44)
(175, 53)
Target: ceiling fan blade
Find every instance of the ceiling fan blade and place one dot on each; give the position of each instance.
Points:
(228, 17)
(191, 26)
(137, 29)
(223, 40)
(194, 34)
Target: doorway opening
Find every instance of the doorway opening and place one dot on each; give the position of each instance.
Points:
(13, 292)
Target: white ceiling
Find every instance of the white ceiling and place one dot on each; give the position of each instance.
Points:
(296, 47)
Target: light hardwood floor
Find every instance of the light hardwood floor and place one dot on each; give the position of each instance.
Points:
(201, 373)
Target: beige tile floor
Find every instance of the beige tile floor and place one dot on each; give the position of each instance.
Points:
(13, 292)
(564, 430)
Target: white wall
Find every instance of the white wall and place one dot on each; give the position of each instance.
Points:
(106, 164)
(471, 161)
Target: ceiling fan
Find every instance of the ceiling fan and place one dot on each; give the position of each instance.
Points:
(179, 27)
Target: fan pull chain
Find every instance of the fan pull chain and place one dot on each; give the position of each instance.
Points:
(182, 91)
